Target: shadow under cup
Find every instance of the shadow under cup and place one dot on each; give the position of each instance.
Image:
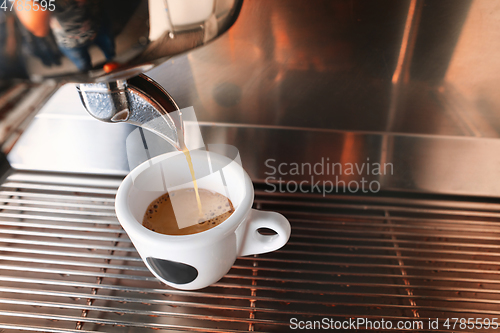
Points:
(186, 261)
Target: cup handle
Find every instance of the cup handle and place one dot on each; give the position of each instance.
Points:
(255, 243)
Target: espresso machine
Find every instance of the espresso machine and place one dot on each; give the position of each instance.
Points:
(313, 94)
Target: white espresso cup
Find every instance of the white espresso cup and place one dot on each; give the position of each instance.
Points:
(198, 260)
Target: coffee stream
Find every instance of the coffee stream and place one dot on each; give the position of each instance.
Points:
(191, 169)
(176, 118)
(185, 150)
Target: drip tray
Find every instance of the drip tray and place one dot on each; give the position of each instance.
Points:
(67, 266)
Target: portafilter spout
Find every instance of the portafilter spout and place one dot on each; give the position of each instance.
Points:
(139, 101)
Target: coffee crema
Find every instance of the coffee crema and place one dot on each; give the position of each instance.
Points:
(160, 216)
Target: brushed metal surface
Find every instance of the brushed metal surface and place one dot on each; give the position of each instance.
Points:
(331, 66)
(64, 138)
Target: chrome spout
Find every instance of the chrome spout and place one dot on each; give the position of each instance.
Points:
(139, 101)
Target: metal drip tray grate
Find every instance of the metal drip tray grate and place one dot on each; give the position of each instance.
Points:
(66, 264)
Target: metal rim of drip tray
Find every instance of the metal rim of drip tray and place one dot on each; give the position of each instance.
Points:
(67, 266)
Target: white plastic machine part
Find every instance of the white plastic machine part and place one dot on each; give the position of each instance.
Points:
(172, 15)
(187, 12)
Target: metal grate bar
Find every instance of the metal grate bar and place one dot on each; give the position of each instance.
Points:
(60, 227)
(58, 211)
(380, 208)
(297, 290)
(135, 312)
(371, 264)
(61, 198)
(75, 272)
(252, 297)
(57, 218)
(30, 328)
(403, 249)
(399, 241)
(346, 273)
(51, 330)
(336, 218)
(399, 233)
(56, 188)
(428, 268)
(322, 253)
(397, 199)
(65, 179)
(63, 244)
(108, 322)
(57, 235)
(73, 263)
(233, 276)
(256, 298)
(69, 254)
(252, 309)
(142, 300)
(381, 257)
(58, 204)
